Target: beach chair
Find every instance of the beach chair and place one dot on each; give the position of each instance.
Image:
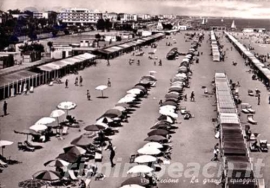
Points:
(87, 182)
(65, 130)
(251, 120)
(250, 93)
(261, 183)
(263, 145)
(72, 175)
(3, 164)
(31, 89)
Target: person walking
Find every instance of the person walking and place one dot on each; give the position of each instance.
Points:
(138, 63)
(109, 84)
(160, 63)
(192, 96)
(66, 83)
(88, 95)
(5, 108)
(259, 98)
(76, 81)
(155, 63)
(108, 63)
(216, 153)
(112, 155)
(81, 80)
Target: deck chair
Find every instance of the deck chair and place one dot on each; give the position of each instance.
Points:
(261, 183)
(183, 110)
(65, 130)
(251, 120)
(250, 93)
(3, 164)
(87, 182)
(72, 175)
(31, 89)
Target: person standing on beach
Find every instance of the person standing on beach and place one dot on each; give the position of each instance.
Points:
(109, 84)
(112, 155)
(66, 83)
(192, 96)
(88, 95)
(81, 80)
(76, 81)
(5, 108)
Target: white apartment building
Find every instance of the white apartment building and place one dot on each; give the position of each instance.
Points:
(112, 16)
(40, 15)
(144, 16)
(128, 17)
(79, 16)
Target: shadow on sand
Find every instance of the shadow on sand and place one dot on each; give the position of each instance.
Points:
(102, 97)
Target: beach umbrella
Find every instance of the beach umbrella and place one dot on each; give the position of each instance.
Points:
(182, 69)
(171, 99)
(134, 91)
(155, 138)
(96, 127)
(38, 127)
(75, 150)
(168, 112)
(166, 118)
(132, 186)
(161, 126)
(57, 163)
(168, 107)
(101, 88)
(145, 159)
(112, 113)
(152, 72)
(149, 151)
(160, 132)
(149, 77)
(67, 105)
(136, 180)
(81, 141)
(69, 157)
(45, 121)
(176, 89)
(171, 103)
(32, 183)
(162, 122)
(154, 145)
(104, 120)
(57, 113)
(125, 105)
(126, 99)
(140, 169)
(181, 75)
(47, 175)
(172, 95)
(120, 108)
(3, 144)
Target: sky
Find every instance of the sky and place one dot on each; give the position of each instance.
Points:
(203, 8)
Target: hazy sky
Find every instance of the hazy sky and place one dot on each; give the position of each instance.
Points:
(226, 8)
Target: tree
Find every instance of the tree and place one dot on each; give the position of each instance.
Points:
(98, 36)
(108, 25)
(50, 44)
(101, 24)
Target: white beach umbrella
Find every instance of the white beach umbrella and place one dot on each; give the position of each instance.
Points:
(101, 88)
(67, 105)
(38, 127)
(132, 186)
(140, 169)
(149, 151)
(4, 143)
(45, 121)
(57, 113)
(153, 145)
(134, 91)
(145, 159)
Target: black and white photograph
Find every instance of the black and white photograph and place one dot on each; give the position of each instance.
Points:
(134, 93)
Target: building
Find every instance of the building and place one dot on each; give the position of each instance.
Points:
(79, 16)
(112, 16)
(40, 15)
(144, 16)
(124, 17)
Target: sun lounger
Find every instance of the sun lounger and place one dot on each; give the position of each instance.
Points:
(72, 175)
(65, 130)
(261, 183)
(31, 89)
(87, 182)
(3, 164)
(251, 120)
(24, 147)
(250, 93)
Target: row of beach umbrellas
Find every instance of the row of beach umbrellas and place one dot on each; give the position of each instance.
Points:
(160, 131)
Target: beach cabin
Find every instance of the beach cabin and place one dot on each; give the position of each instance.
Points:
(216, 56)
